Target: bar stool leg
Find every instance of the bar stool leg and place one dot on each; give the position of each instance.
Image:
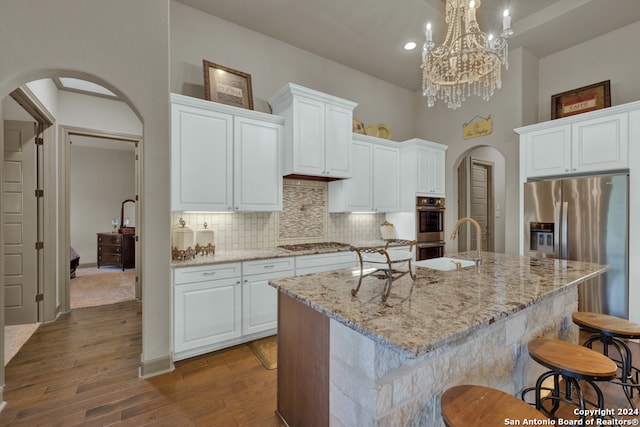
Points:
(625, 363)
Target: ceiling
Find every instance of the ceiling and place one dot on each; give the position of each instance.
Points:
(368, 35)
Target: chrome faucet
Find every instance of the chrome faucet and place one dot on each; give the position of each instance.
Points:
(478, 259)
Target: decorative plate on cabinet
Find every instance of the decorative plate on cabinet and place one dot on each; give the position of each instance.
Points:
(371, 130)
(384, 131)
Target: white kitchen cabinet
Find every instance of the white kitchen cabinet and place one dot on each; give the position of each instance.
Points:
(422, 171)
(318, 128)
(259, 299)
(595, 145)
(257, 165)
(431, 163)
(224, 158)
(375, 184)
(201, 158)
(317, 263)
(206, 308)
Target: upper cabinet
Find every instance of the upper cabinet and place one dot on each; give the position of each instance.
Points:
(318, 127)
(224, 158)
(422, 168)
(375, 184)
(586, 143)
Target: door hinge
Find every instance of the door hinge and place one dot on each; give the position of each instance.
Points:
(39, 245)
(39, 193)
(39, 141)
(39, 297)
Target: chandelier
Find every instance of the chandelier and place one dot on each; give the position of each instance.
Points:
(468, 62)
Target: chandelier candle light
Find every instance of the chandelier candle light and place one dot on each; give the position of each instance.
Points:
(468, 62)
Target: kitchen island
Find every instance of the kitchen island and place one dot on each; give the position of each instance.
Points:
(346, 360)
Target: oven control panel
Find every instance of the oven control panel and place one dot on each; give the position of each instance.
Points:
(435, 202)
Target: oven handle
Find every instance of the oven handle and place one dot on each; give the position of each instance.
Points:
(429, 208)
(431, 244)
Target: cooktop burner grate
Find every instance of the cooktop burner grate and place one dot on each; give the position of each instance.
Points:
(314, 246)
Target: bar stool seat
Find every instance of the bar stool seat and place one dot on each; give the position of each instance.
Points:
(611, 331)
(479, 406)
(572, 362)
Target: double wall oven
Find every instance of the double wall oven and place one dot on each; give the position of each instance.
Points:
(429, 227)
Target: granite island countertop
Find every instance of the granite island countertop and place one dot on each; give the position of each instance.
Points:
(438, 307)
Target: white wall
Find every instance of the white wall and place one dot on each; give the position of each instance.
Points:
(96, 113)
(123, 46)
(196, 36)
(613, 56)
(101, 179)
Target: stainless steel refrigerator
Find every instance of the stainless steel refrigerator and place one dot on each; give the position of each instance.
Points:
(584, 219)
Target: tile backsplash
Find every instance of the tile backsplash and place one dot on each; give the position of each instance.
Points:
(304, 219)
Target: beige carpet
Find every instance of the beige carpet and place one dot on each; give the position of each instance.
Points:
(14, 338)
(100, 286)
(266, 350)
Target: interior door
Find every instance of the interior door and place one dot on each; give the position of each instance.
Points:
(19, 223)
(481, 203)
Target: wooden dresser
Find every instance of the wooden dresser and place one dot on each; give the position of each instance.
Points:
(116, 249)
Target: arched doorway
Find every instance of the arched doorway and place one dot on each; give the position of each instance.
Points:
(38, 98)
(480, 180)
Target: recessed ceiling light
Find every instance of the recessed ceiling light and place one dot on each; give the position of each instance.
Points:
(409, 45)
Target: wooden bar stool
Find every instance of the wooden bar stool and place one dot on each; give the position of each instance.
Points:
(612, 332)
(572, 362)
(478, 406)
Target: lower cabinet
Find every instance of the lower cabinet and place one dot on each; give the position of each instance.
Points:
(207, 304)
(220, 305)
(259, 299)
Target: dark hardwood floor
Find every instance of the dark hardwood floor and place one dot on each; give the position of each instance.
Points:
(83, 370)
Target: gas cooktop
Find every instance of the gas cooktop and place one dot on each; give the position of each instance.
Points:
(314, 246)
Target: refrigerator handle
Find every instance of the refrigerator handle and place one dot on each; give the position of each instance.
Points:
(565, 231)
(558, 229)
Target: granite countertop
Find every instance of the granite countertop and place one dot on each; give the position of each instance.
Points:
(256, 254)
(438, 307)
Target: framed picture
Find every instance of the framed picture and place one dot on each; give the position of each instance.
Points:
(581, 100)
(227, 86)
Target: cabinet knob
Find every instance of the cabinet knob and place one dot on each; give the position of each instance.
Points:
(575, 169)
(245, 281)
(566, 170)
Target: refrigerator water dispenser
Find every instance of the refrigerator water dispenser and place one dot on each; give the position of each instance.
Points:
(541, 237)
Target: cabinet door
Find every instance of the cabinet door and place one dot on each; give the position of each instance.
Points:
(339, 124)
(600, 144)
(308, 136)
(386, 178)
(431, 164)
(549, 152)
(206, 313)
(359, 189)
(257, 167)
(259, 299)
(201, 159)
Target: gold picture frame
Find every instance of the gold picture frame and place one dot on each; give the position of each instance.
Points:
(581, 100)
(227, 86)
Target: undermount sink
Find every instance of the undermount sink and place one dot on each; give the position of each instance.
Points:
(444, 263)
